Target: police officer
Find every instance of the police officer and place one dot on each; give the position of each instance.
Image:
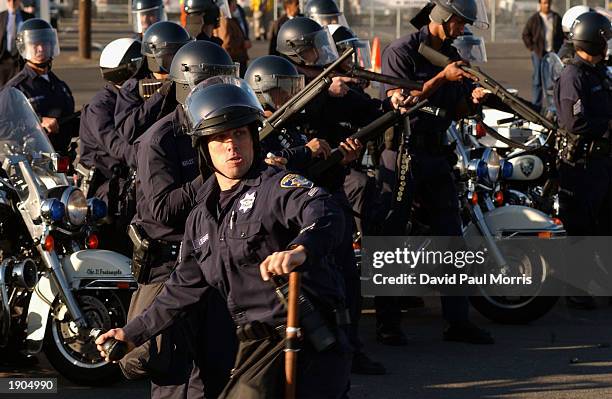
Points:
(275, 80)
(50, 97)
(160, 42)
(166, 183)
(203, 18)
(583, 97)
(252, 225)
(430, 174)
(567, 52)
(145, 13)
(333, 116)
(107, 153)
(324, 12)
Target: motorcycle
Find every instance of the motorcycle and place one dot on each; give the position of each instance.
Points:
(489, 218)
(55, 286)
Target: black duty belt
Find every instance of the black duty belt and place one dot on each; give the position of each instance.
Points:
(166, 250)
(257, 330)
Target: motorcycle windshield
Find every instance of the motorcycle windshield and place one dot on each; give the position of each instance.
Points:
(550, 70)
(22, 135)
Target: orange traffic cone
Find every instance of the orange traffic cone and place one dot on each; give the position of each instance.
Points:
(375, 56)
(183, 13)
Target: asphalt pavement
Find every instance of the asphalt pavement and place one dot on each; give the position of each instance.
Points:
(565, 354)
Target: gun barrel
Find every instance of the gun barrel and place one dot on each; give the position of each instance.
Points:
(390, 80)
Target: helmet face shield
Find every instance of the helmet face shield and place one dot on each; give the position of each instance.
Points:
(221, 103)
(162, 52)
(142, 19)
(471, 48)
(362, 56)
(276, 90)
(39, 45)
(330, 19)
(194, 74)
(317, 48)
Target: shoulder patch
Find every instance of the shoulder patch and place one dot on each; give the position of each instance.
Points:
(295, 181)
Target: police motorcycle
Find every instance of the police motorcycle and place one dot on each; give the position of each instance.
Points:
(499, 156)
(55, 287)
(488, 217)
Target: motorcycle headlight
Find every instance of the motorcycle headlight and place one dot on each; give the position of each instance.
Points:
(76, 206)
(492, 159)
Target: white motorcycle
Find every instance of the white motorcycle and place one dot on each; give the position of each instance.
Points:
(55, 287)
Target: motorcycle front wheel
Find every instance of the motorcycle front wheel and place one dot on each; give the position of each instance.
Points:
(516, 309)
(72, 352)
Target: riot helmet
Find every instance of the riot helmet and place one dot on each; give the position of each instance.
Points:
(345, 39)
(591, 32)
(570, 16)
(219, 104)
(325, 12)
(205, 12)
(305, 42)
(274, 80)
(37, 42)
(473, 12)
(160, 42)
(197, 61)
(120, 59)
(145, 13)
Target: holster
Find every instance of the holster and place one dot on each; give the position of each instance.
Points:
(141, 258)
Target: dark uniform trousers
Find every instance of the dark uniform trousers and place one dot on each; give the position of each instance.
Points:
(431, 183)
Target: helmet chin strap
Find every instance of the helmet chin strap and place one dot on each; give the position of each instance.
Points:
(47, 64)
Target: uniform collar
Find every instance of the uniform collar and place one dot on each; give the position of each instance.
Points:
(252, 179)
(581, 61)
(30, 73)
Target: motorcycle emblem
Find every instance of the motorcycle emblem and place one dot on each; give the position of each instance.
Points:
(246, 203)
(527, 166)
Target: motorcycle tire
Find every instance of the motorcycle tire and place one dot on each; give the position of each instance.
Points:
(532, 310)
(64, 359)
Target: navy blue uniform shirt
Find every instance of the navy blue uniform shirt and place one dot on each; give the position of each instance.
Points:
(583, 97)
(167, 178)
(105, 143)
(50, 98)
(270, 211)
(133, 115)
(401, 59)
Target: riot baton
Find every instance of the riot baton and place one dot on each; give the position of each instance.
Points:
(292, 335)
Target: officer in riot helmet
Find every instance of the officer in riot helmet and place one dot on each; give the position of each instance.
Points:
(198, 61)
(275, 80)
(106, 151)
(583, 97)
(306, 43)
(146, 88)
(324, 12)
(50, 97)
(167, 180)
(145, 13)
(203, 18)
(567, 52)
(159, 44)
(345, 38)
(288, 223)
(424, 144)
